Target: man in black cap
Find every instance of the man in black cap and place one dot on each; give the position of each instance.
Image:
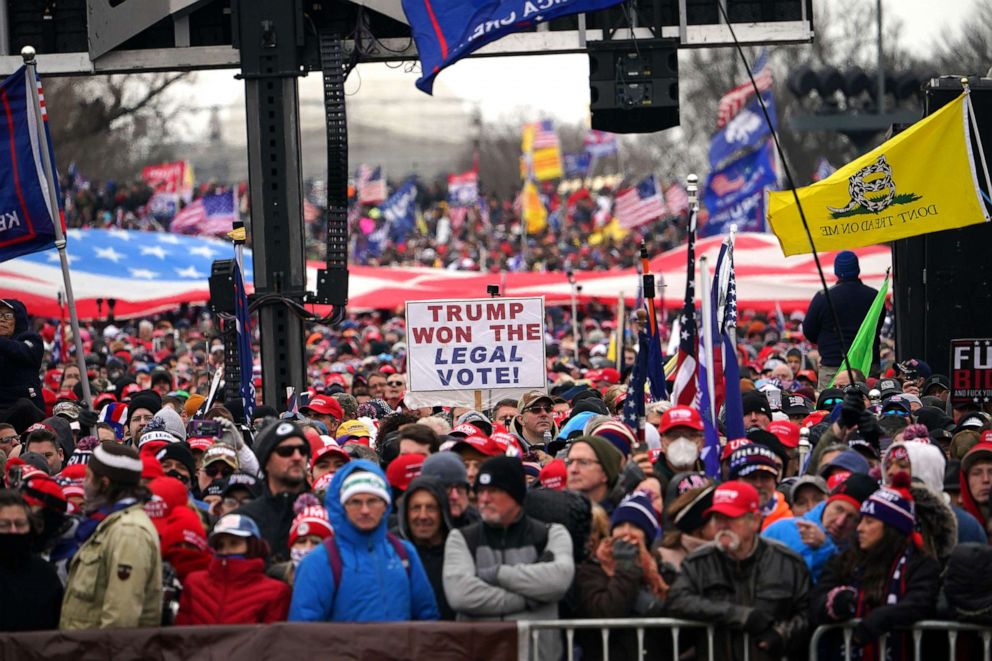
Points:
(757, 411)
(508, 566)
(141, 408)
(282, 452)
(851, 300)
(21, 352)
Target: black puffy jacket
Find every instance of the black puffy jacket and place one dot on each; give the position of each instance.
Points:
(20, 360)
(712, 587)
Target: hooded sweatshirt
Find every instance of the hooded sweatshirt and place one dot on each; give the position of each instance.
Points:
(375, 586)
(431, 556)
(20, 360)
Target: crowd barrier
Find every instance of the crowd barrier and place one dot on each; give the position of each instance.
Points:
(952, 629)
(529, 630)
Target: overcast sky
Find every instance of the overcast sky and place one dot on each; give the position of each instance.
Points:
(528, 87)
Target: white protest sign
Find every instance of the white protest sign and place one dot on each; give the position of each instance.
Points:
(484, 344)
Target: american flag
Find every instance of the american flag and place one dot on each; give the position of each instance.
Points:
(633, 405)
(211, 215)
(371, 185)
(640, 204)
(463, 189)
(685, 390)
(545, 136)
(734, 100)
(724, 300)
(676, 199)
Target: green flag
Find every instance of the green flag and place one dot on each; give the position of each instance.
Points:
(860, 354)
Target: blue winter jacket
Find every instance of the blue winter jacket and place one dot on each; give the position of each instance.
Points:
(785, 531)
(375, 587)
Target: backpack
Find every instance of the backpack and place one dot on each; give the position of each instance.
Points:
(968, 582)
(334, 556)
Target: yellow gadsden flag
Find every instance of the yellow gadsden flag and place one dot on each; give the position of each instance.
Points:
(922, 180)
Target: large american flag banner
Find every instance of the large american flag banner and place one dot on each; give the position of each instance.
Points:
(211, 215)
(732, 102)
(640, 204)
(685, 390)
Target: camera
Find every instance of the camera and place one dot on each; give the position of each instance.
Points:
(492, 290)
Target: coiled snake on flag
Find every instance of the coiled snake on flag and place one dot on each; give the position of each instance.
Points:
(857, 186)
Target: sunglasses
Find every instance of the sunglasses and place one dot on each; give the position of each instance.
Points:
(287, 451)
(218, 469)
(895, 412)
(832, 402)
(540, 408)
(395, 384)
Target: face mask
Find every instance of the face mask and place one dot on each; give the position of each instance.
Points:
(15, 548)
(297, 553)
(682, 452)
(727, 541)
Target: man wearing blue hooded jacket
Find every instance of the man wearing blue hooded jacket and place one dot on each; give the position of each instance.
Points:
(377, 584)
(21, 352)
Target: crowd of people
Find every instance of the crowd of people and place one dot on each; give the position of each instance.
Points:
(852, 497)
(486, 236)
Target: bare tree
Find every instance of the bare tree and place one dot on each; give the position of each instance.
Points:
(108, 125)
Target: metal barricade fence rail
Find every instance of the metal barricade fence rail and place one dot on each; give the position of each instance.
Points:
(952, 629)
(528, 631)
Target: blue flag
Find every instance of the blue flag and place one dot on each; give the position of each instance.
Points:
(576, 165)
(447, 30)
(26, 218)
(723, 299)
(711, 438)
(400, 210)
(746, 131)
(633, 405)
(736, 193)
(243, 326)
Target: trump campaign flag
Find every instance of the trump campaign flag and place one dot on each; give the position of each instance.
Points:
(242, 318)
(26, 217)
(463, 189)
(747, 130)
(923, 180)
(400, 210)
(736, 193)
(447, 30)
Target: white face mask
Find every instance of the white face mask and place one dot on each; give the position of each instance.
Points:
(682, 453)
(297, 553)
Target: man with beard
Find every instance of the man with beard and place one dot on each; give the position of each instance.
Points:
(32, 593)
(115, 579)
(744, 584)
(681, 430)
(508, 566)
(282, 452)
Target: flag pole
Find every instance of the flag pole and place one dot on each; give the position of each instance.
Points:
(28, 53)
(707, 309)
(978, 137)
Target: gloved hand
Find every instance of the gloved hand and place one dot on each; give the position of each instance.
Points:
(851, 409)
(841, 602)
(625, 555)
(771, 641)
(757, 622)
(230, 434)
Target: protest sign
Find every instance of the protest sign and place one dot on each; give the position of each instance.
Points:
(971, 371)
(474, 346)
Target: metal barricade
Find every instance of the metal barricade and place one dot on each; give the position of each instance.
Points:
(529, 630)
(952, 629)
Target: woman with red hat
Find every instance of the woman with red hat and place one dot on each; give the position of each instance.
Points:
(886, 579)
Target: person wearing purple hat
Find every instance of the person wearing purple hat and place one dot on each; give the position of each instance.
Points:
(886, 579)
(622, 579)
(851, 300)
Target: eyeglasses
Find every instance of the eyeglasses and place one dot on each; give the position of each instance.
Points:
(218, 469)
(372, 503)
(230, 502)
(17, 525)
(287, 451)
(13, 439)
(580, 462)
(540, 408)
(506, 419)
(395, 384)
(7, 316)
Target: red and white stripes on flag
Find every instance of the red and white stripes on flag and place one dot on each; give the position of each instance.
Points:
(685, 389)
(640, 204)
(370, 184)
(41, 102)
(734, 100)
(676, 199)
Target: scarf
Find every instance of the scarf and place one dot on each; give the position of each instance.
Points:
(895, 588)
